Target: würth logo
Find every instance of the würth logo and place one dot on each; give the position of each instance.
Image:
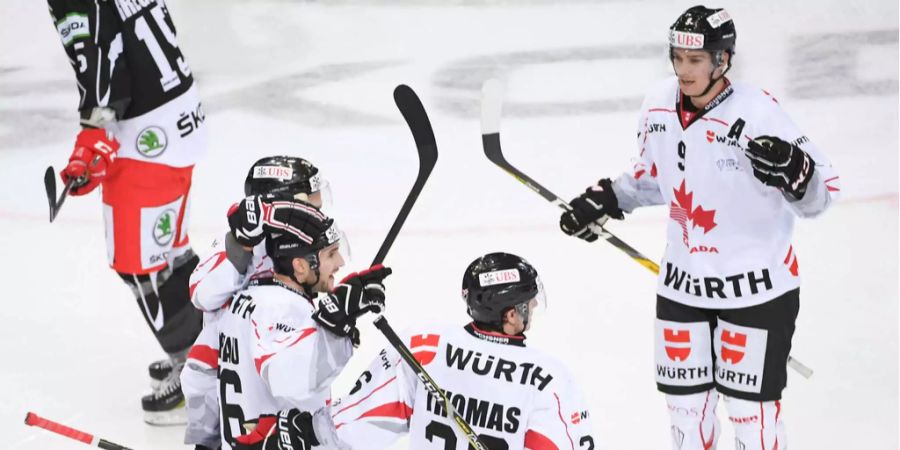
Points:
(710, 136)
(733, 352)
(682, 211)
(678, 342)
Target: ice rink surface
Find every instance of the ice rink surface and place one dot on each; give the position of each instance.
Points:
(315, 80)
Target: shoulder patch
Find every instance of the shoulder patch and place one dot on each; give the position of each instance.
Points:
(73, 27)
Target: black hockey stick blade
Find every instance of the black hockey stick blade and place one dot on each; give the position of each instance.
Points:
(417, 120)
(491, 104)
(423, 134)
(50, 187)
(428, 382)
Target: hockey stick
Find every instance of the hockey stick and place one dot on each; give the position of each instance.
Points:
(491, 104)
(34, 420)
(50, 187)
(417, 120)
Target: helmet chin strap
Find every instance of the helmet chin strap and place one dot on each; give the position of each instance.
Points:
(713, 81)
(314, 266)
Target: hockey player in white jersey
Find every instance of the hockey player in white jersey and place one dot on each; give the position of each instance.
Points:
(734, 171)
(514, 396)
(236, 259)
(275, 351)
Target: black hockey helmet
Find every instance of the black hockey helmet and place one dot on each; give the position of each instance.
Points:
(284, 175)
(496, 282)
(297, 229)
(702, 28)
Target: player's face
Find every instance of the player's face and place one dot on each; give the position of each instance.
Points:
(693, 68)
(330, 261)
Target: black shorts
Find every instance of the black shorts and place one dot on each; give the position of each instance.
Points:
(741, 352)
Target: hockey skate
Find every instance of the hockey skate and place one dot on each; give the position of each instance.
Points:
(158, 371)
(165, 406)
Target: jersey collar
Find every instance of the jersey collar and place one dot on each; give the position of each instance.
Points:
(688, 114)
(274, 282)
(497, 338)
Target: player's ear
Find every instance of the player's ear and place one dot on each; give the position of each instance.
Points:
(301, 268)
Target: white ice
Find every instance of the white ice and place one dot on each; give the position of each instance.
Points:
(315, 79)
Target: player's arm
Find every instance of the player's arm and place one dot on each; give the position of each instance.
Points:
(90, 32)
(218, 276)
(199, 382)
(639, 186)
(783, 157)
(296, 357)
(561, 420)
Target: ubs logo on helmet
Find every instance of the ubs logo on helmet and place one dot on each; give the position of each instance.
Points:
(499, 277)
(683, 39)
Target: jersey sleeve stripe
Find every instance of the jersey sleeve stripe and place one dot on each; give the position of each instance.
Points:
(205, 354)
(537, 441)
(397, 410)
(364, 398)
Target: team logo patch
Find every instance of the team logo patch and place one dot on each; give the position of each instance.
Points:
(74, 26)
(499, 277)
(274, 172)
(678, 343)
(683, 211)
(741, 355)
(164, 227)
(152, 142)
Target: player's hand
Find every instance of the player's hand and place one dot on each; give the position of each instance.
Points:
(590, 211)
(355, 295)
(246, 220)
(780, 164)
(94, 152)
(293, 431)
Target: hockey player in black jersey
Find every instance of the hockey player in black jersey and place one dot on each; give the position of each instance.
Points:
(142, 132)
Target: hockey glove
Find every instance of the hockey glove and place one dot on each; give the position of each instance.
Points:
(95, 150)
(355, 295)
(256, 439)
(780, 164)
(246, 220)
(590, 211)
(294, 431)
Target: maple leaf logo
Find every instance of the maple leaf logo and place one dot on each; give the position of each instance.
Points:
(682, 211)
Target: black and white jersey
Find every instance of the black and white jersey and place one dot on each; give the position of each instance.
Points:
(124, 53)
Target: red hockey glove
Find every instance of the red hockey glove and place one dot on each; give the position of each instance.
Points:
(94, 151)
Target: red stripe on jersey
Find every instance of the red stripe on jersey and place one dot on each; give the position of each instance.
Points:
(220, 257)
(790, 252)
(561, 419)
(262, 359)
(366, 397)
(205, 354)
(719, 121)
(397, 410)
(661, 110)
(537, 441)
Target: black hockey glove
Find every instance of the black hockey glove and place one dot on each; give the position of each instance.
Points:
(294, 431)
(355, 295)
(780, 164)
(245, 219)
(590, 210)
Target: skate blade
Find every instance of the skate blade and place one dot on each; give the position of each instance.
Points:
(173, 417)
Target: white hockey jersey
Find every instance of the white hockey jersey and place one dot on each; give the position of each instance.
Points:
(271, 355)
(729, 235)
(215, 280)
(514, 397)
